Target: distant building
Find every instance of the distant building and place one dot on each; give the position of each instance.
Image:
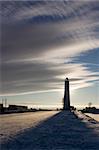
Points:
(17, 108)
(1, 108)
(91, 110)
(66, 100)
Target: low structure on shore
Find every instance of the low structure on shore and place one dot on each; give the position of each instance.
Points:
(17, 108)
(13, 108)
(1, 108)
(93, 110)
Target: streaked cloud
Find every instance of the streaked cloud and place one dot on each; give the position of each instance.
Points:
(40, 40)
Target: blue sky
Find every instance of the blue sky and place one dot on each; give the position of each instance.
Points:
(42, 42)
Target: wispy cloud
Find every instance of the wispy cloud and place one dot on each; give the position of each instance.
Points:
(39, 41)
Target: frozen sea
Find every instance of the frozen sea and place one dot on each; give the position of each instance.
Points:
(48, 130)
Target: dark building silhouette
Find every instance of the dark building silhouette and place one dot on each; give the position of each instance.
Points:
(17, 108)
(66, 100)
(1, 108)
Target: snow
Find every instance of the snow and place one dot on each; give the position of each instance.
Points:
(49, 130)
(95, 116)
(85, 117)
(12, 124)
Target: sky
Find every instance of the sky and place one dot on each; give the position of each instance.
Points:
(42, 43)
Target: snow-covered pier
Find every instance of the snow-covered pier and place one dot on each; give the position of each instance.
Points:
(49, 130)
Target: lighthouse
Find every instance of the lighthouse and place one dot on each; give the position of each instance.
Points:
(66, 100)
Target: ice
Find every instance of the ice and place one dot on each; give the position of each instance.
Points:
(13, 124)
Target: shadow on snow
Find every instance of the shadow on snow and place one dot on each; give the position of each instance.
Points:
(62, 131)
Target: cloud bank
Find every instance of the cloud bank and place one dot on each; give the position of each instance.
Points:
(39, 41)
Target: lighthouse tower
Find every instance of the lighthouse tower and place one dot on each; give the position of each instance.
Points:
(66, 101)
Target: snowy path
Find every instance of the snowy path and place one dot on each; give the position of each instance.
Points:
(55, 131)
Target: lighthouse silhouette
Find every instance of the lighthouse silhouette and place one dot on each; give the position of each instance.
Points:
(66, 100)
